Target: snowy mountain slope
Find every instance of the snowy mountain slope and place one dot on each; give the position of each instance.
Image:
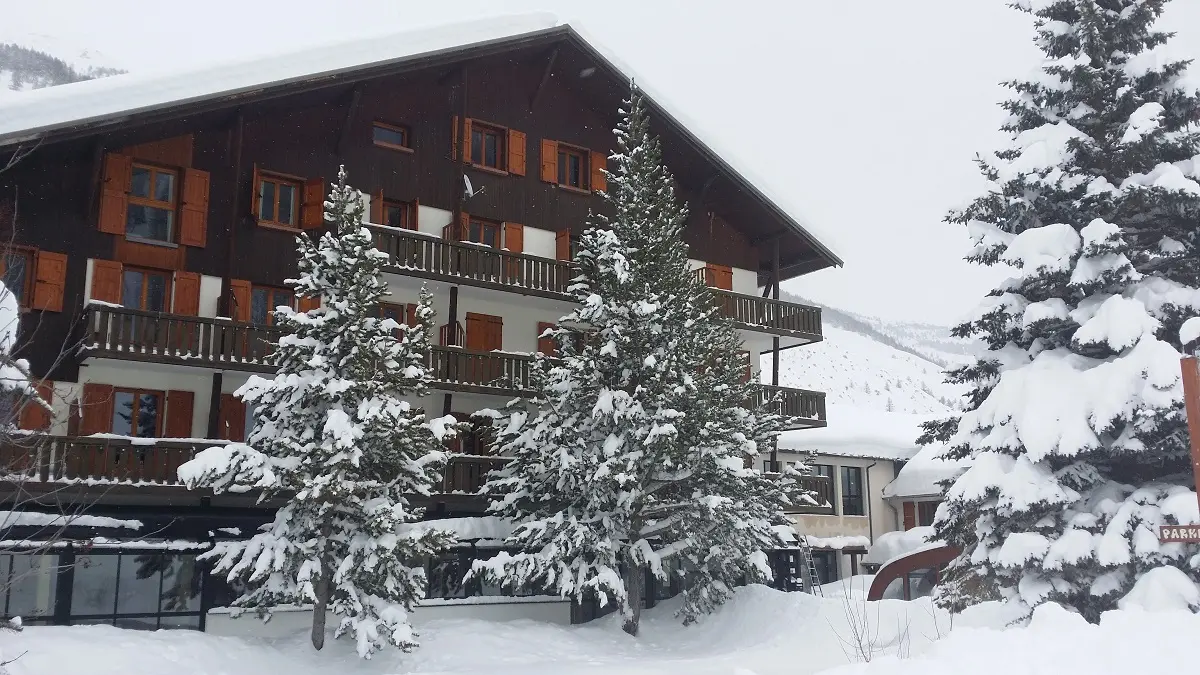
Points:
(34, 61)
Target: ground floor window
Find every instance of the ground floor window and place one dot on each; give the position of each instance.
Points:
(30, 582)
(136, 590)
(826, 563)
(926, 512)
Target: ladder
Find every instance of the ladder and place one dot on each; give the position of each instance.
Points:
(812, 580)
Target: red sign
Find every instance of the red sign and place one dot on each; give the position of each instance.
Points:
(1191, 400)
(1179, 534)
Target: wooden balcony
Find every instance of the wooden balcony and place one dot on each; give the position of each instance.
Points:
(429, 257)
(808, 406)
(97, 459)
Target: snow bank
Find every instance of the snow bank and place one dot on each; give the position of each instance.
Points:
(1058, 642)
(859, 432)
(36, 519)
(838, 543)
(892, 545)
(921, 476)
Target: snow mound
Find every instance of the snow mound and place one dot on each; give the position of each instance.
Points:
(922, 475)
(890, 546)
(1162, 589)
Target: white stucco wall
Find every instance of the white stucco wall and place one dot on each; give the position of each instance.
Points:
(432, 220)
(160, 378)
(210, 295)
(540, 242)
(745, 281)
(287, 622)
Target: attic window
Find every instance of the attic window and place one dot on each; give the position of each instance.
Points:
(392, 136)
(572, 167)
(487, 146)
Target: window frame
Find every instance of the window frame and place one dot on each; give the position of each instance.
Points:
(566, 150)
(501, 134)
(168, 287)
(844, 472)
(271, 290)
(159, 417)
(484, 223)
(110, 618)
(408, 213)
(171, 208)
(399, 128)
(25, 297)
(926, 508)
(297, 185)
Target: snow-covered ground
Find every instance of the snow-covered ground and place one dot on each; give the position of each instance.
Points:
(760, 632)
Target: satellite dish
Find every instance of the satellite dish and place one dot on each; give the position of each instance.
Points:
(469, 189)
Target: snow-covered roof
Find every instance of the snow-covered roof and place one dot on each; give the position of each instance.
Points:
(35, 113)
(891, 546)
(859, 432)
(921, 475)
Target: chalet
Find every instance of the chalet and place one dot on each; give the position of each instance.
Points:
(153, 222)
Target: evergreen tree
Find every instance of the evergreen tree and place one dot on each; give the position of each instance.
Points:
(1074, 422)
(633, 454)
(334, 438)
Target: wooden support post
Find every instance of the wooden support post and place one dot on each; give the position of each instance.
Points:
(214, 406)
(775, 342)
(458, 168)
(93, 207)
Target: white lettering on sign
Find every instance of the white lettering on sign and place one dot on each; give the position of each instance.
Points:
(1179, 534)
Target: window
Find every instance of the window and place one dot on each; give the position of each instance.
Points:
(391, 310)
(145, 591)
(149, 290)
(248, 422)
(484, 232)
(31, 581)
(926, 512)
(390, 136)
(278, 201)
(487, 145)
(137, 412)
(399, 214)
(572, 167)
(16, 266)
(852, 491)
(825, 470)
(264, 300)
(827, 567)
(152, 200)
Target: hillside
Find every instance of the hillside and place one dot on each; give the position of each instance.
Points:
(36, 61)
(874, 364)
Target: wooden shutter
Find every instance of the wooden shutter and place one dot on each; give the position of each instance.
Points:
(239, 291)
(187, 294)
(514, 237)
(495, 333)
(747, 366)
(179, 414)
(562, 245)
(33, 416)
(312, 209)
(255, 194)
(549, 161)
(114, 193)
(718, 276)
(106, 280)
(193, 214)
(304, 304)
(231, 419)
(97, 409)
(377, 208)
(476, 331)
(466, 145)
(597, 164)
(410, 313)
(910, 515)
(49, 281)
(546, 345)
(516, 152)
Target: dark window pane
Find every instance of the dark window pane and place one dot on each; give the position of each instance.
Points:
(131, 289)
(280, 299)
(148, 222)
(491, 150)
(148, 410)
(181, 581)
(475, 233)
(137, 589)
(259, 301)
(477, 145)
(491, 236)
(14, 275)
(266, 200)
(823, 470)
(139, 186)
(287, 204)
(826, 564)
(122, 420)
(852, 492)
(249, 421)
(394, 215)
(164, 187)
(390, 136)
(156, 293)
(95, 588)
(180, 622)
(562, 168)
(574, 178)
(31, 586)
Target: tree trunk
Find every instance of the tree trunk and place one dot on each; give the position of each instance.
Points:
(635, 581)
(322, 589)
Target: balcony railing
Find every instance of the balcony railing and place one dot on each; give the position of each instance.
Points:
(474, 264)
(97, 459)
(484, 372)
(802, 403)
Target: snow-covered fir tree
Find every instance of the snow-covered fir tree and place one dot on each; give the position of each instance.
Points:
(633, 454)
(1074, 422)
(334, 438)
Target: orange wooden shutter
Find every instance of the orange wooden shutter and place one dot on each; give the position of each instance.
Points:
(239, 290)
(114, 193)
(546, 345)
(514, 237)
(97, 409)
(516, 152)
(495, 333)
(377, 208)
(187, 293)
(410, 312)
(50, 280)
(562, 245)
(597, 162)
(466, 144)
(312, 209)
(748, 366)
(718, 276)
(459, 233)
(193, 214)
(304, 304)
(106, 280)
(910, 515)
(476, 331)
(231, 419)
(33, 416)
(179, 414)
(549, 161)
(255, 194)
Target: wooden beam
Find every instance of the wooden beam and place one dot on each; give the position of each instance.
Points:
(351, 111)
(93, 204)
(546, 72)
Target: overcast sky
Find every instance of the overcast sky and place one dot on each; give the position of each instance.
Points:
(863, 114)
